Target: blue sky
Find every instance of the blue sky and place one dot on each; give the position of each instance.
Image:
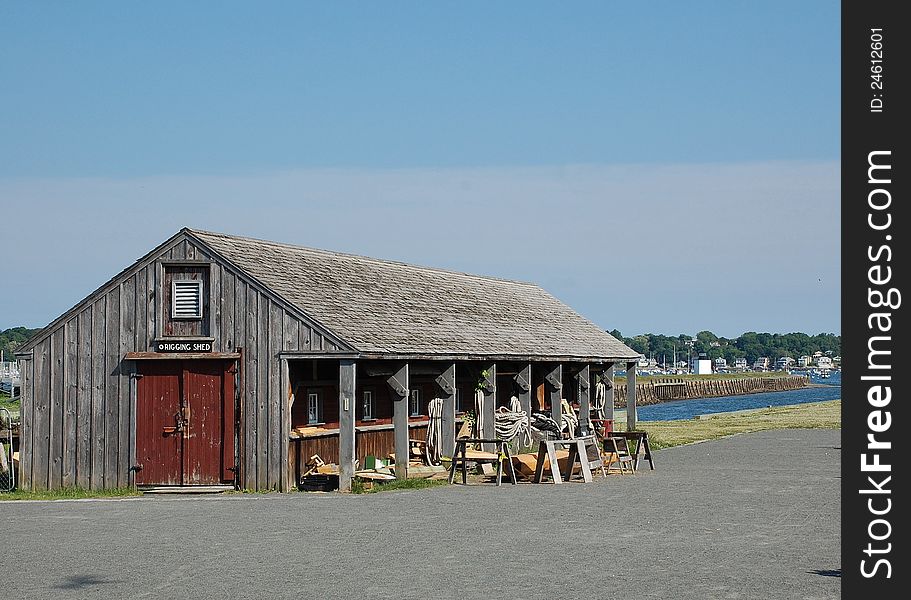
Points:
(663, 166)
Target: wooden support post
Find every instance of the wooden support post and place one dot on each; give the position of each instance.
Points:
(447, 384)
(554, 388)
(490, 406)
(609, 395)
(399, 387)
(631, 396)
(523, 383)
(346, 415)
(583, 383)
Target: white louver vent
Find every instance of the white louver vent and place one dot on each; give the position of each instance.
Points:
(186, 299)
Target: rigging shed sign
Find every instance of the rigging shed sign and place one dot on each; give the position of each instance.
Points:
(183, 347)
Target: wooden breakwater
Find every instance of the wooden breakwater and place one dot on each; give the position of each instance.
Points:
(654, 391)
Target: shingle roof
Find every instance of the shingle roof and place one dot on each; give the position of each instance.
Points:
(380, 306)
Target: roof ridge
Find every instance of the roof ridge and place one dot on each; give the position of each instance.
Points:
(360, 256)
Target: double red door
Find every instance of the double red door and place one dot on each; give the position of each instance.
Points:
(185, 422)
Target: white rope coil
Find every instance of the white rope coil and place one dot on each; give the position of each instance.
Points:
(512, 423)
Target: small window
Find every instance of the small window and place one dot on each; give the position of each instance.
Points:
(415, 405)
(367, 408)
(313, 408)
(186, 299)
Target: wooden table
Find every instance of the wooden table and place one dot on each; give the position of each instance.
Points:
(577, 452)
(461, 454)
(642, 448)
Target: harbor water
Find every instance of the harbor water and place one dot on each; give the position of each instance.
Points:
(823, 389)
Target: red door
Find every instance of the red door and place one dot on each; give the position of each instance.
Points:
(185, 422)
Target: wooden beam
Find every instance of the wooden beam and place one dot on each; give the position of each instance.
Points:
(447, 384)
(631, 396)
(523, 383)
(583, 383)
(346, 414)
(489, 376)
(554, 389)
(399, 391)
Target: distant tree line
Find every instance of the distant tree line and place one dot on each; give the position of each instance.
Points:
(750, 345)
(12, 338)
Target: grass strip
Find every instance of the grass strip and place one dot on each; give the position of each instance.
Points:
(812, 415)
(73, 493)
(357, 485)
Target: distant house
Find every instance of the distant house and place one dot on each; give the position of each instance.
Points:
(823, 362)
(762, 363)
(785, 362)
(804, 361)
(721, 363)
(740, 364)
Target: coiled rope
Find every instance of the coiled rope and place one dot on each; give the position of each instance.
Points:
(513, 422)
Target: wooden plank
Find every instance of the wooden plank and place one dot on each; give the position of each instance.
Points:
(262, 391)
(134, 383)
(99, 318)
(70, 389)
(127, 341)
(56, 410)
(278, 436)
(303, 338)
(153, 303)
(245, 330)
(399, 393)
(290, 337)
(27, 422)
(215, 306)
(347, 401)
(141, 337)
(41, 453)
(111, 389)
(287, 480)
(447, 382)
(490, 406)
(229, 341)
(630, 396)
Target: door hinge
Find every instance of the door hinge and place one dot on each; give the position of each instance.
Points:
(136, 468)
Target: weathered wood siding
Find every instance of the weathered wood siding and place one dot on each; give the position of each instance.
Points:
(77, 421)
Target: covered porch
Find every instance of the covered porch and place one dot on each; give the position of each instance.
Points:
(345, 408)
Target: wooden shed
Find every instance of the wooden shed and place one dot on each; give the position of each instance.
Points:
(217, 359)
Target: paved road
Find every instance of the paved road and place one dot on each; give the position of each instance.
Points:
(752, 516)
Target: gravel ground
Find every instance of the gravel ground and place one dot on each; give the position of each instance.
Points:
(750, 516)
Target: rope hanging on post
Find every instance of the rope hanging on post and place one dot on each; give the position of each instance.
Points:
(479, 413)
(435, 430)
(600, 398)
(569, 419)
